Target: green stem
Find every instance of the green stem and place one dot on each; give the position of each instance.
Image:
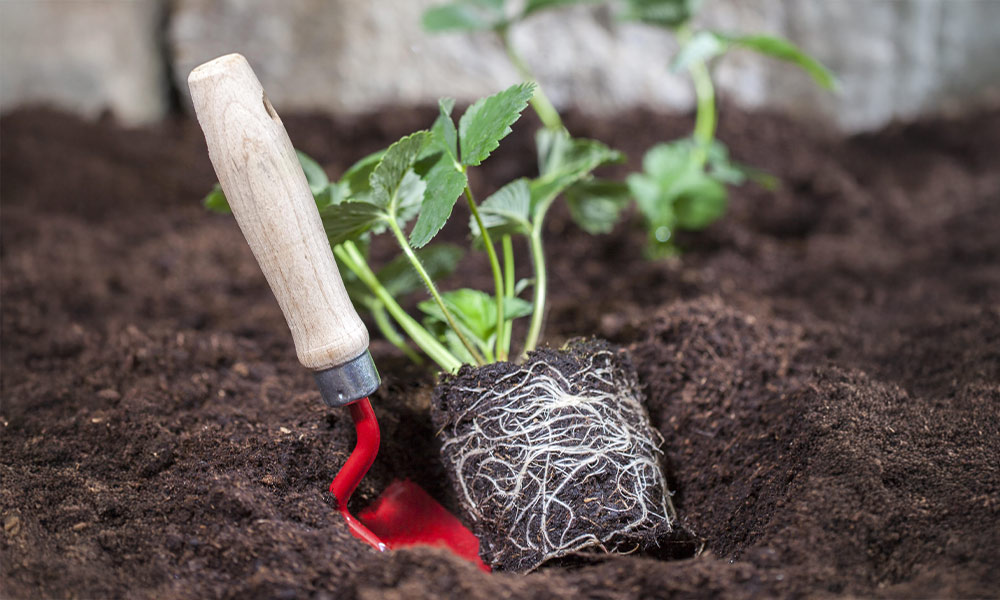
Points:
(706, 118)
(390, 333)
(349, 254)
(508, 290)
(538, 304)
(404, 244)
(501, 353)
(539, 101)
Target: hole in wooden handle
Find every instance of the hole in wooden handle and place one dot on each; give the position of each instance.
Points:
(269, 108)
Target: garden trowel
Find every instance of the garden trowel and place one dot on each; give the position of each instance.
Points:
(268, 194)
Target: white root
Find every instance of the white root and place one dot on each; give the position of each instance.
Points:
(530, 442)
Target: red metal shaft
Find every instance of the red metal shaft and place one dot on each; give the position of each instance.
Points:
(357, 465)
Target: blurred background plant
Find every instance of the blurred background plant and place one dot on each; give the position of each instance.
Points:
(683, 182)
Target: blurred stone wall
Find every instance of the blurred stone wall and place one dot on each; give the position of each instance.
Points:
(87, 56)
(896, 59)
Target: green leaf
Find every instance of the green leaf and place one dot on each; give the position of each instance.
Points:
(656, 209)
(444, 186)
(564, 161)
(702, 47)
(356, 178)
(721, 167)
(388, 175)
(445, 334)
(409, 198)
(488, 121)
(446, 179)
(668, 159)
(465, 15)
(699, 200)
(335, 193)
(348, 220)
(506, 211)
(663, 13)
(475, 312)
(444, 128)
(216, 201)
(533, 6)
(674, 192)
(785, 50)
(559, 154)
(597, 204)
(399, 277)
(315, 175)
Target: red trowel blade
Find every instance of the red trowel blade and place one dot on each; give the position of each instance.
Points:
(405, 515)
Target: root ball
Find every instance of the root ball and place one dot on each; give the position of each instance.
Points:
(553, 457)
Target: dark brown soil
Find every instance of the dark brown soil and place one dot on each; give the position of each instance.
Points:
(824, 365)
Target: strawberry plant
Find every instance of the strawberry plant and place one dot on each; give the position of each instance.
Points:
(683, 183)
(408, 191)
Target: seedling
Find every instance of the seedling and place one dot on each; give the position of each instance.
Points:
(683, 184)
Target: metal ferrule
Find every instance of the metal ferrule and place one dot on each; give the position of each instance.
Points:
(349, 382)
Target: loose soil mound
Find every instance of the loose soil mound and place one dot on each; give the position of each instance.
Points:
(824, 365)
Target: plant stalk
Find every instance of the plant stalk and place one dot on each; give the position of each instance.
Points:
(501, 354)
(384, 324)
(538, 303)
(404, 244)
(541, 104)
(706, 117)
(508, 291)
(349, 254)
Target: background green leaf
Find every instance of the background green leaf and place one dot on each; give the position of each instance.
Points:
(357, 177)
(662, 13)
(702, 47)
(216, 201)
(563, 161)
(533, 6)
(698, 200)
(399, 277)
(597, 204)
(315, 175)
(783, 49)
(476, 312)
(465, 15)
(349, 220)
(488, 121)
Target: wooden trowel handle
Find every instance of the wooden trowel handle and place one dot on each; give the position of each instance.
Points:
(269, 196)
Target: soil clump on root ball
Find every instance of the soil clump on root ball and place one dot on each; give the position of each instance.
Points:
(554, 456)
